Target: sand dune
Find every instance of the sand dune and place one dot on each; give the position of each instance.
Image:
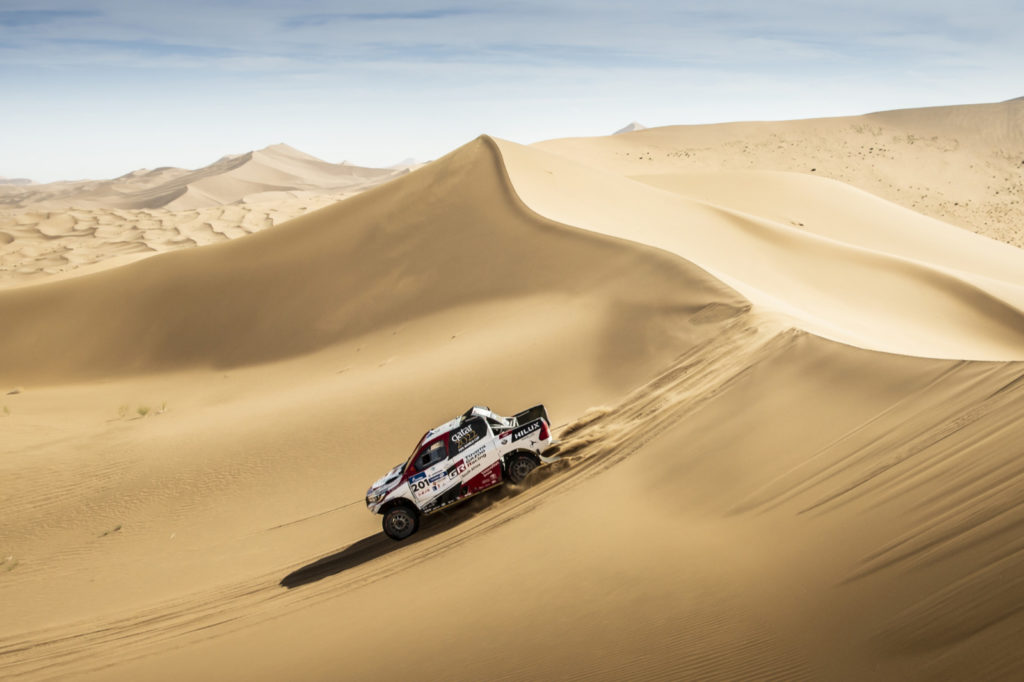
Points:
(43, 245)
(858, 280)
(959, 164)
(227, 180)
(77, 227)
(186, 440)
(390, 332)
(630, 127)
(353, 268)
(275, 168)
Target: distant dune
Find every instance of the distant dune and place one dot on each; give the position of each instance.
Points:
(406, 163)
(61, 227)
(634, 126)
(225, 181)
(786, 380)
(959, 164)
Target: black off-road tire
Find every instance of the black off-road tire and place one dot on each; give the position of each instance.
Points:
(400, 522)
(519, 466)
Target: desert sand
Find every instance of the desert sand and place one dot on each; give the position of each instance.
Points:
(789, 405)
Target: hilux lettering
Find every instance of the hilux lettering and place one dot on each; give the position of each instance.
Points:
(526, 430)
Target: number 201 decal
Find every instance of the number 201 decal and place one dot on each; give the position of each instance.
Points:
(418, 484)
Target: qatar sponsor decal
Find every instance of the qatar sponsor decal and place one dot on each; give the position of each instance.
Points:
(464, 437)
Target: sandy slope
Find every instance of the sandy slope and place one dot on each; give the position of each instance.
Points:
(744, 500)
(461, 310)
(858, 277)
(960, 164)
(77, 227)
(671, 545)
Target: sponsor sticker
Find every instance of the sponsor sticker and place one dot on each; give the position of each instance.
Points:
(526, 430)
(472, 457)
(456, 469)
(418, 485)
(464, 437)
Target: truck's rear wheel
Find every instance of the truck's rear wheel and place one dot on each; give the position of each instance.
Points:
(519, 467)
(400, 522)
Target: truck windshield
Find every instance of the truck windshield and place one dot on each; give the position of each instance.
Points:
(419, 444)
(430, 455)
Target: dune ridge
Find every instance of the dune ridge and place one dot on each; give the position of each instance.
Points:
(851, 286)
(222, 306)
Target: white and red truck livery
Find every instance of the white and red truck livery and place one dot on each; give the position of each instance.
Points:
(460, 458)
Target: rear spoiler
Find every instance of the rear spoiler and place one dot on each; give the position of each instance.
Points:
(535, 412)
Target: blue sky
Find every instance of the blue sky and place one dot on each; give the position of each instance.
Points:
(95, 89)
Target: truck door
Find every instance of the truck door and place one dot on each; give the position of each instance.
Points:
(476, 456)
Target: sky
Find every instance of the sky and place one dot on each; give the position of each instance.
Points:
(94, 89)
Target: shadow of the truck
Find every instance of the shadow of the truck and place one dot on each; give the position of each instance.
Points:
(379, 545)
(366, 550)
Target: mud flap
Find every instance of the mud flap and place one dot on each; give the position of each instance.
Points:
(553, 457)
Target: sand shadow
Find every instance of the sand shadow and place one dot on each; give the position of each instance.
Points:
(374, 547)
(378, 545)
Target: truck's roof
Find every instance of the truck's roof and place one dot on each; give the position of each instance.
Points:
(475, 411)
(443, 428)
(451, 425)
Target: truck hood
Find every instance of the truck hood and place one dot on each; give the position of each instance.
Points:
(388, 480)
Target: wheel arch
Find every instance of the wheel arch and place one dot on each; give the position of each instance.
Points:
(509, 456)
(399, 502)
(520, 451)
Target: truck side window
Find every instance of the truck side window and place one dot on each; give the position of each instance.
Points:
(431, 455)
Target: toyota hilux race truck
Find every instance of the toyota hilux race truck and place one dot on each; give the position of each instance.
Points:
(465, 456)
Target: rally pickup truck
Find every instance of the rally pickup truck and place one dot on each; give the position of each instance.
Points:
(460, 458)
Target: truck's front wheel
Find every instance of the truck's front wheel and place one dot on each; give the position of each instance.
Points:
(400, 522)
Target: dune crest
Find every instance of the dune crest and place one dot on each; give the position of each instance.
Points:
(377, 259)
(863, 282)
